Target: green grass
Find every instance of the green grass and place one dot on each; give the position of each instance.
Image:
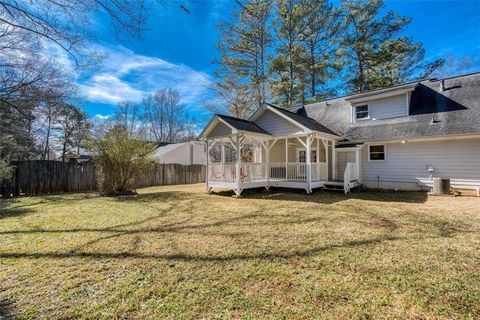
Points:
(175, 252)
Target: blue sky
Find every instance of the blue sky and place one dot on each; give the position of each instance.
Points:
(177, 49)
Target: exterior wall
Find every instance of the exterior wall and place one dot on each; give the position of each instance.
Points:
(277, 125)
(188, 153)
(221, 129)
(390, 107)
(277, 153)
(405, 165)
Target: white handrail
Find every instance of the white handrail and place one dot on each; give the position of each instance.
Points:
(349, 175)
(346, 179)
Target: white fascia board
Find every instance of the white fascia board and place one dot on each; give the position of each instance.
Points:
(321, 134)
(211, 125)
(380, 95)
(257, 113)
(234, 130)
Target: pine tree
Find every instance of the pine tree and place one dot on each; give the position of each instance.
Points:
(288, 66)
(244, 48)
(374, 54)
(324, 27)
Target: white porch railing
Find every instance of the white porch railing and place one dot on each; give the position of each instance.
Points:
(252, 171)
(319, 171)
(275, 171)
(223, 172)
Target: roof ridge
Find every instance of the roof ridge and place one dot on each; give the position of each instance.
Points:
(231, 117)
(394, 86)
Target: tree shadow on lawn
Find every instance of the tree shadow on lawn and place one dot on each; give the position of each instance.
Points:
(326, 197)
(7, 308)
(8, 209)
(436, 229)
(270, 256)
(156, 196)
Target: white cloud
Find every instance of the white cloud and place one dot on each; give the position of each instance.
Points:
(101, 117)
(125, 75)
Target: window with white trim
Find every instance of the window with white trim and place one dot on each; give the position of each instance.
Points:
(376, 152)
(361, 112)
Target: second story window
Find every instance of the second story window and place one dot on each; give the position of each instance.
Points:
(361, 112)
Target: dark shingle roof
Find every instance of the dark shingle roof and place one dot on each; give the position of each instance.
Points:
(454, 107)
(304, 120)
(241, 124)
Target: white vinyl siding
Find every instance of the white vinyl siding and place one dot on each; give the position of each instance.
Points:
(458, 160)
(221, 129)
(384, 108)
(277, 125)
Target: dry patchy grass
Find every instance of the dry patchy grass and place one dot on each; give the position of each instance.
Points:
(175, 252)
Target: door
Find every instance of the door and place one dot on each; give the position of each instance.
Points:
(342, 159)
(302, 158)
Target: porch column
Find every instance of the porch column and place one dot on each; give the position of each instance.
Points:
(334, 161)
(286, 158)
(238, 167)
(357, 164)
(222, 157)
(318, 158)
(327, 157)
(267, 160)
(309, 164)
(207, 176)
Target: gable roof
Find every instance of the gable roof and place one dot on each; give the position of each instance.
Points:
(235, 124)
(242, 124)
(302, 120)
(453, 104)
(166, 148)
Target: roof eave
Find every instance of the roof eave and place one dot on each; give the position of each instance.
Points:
(369, 96)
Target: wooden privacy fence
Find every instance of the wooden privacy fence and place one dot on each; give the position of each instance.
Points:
(174, 173)
(37, 177)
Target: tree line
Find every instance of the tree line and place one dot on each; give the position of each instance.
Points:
(160, 117)
(297, 51)
(44, 46)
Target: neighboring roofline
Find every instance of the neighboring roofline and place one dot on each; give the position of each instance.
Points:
(406, 83)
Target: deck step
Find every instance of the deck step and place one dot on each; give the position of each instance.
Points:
(333, 186)
(332, 189)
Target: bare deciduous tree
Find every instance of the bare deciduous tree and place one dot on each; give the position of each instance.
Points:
(127, 115)
(165, 114)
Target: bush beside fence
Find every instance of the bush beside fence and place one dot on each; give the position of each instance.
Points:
(39, 177)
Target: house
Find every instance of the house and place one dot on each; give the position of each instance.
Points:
(192, 152)
(393, 138)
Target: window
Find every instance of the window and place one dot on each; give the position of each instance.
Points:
(361, 112)
(302, 155)
(376, 153)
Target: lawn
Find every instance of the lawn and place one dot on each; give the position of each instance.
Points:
(175, 252)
